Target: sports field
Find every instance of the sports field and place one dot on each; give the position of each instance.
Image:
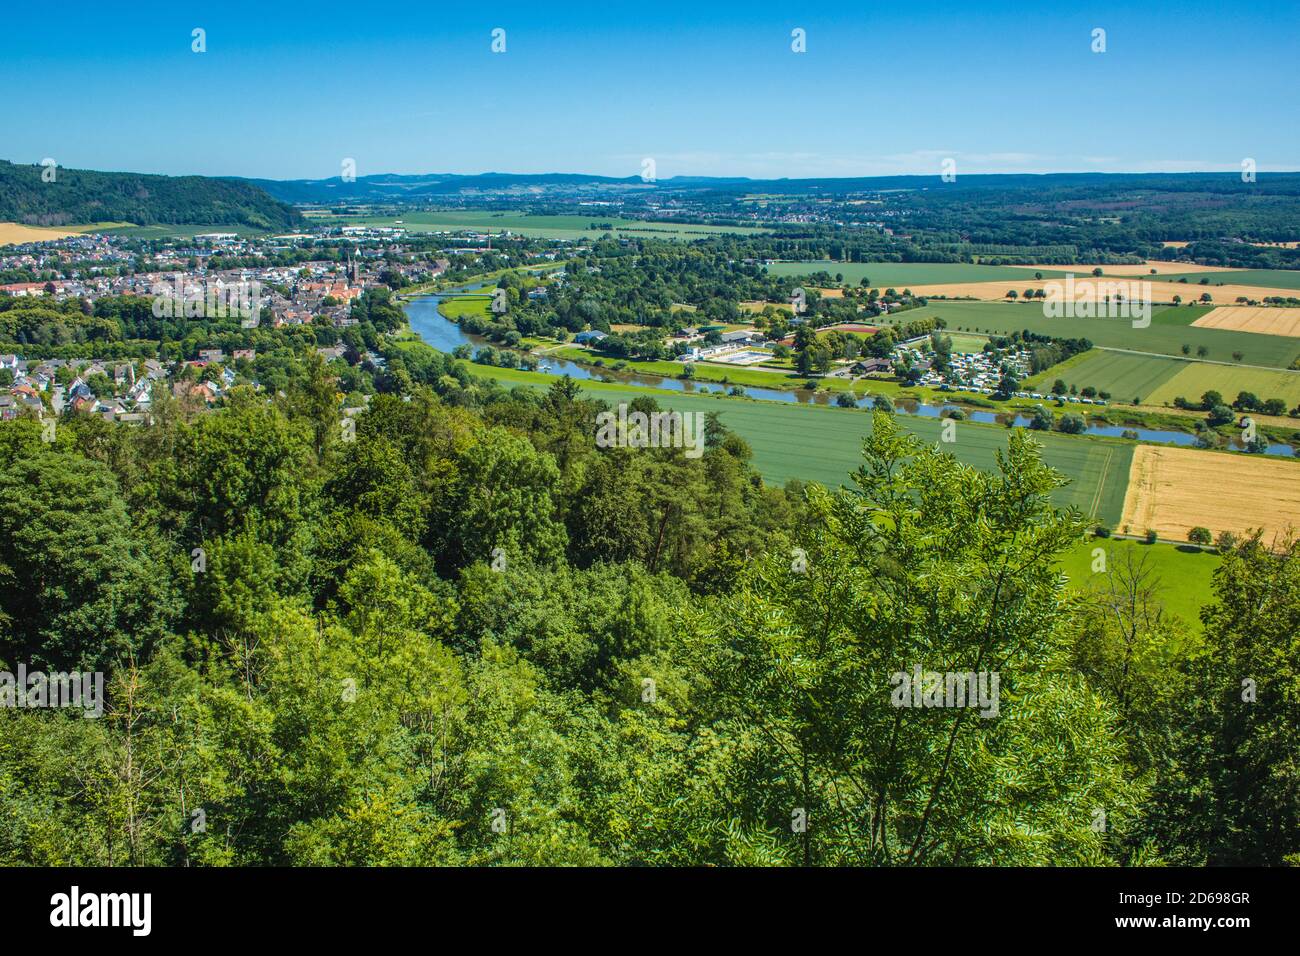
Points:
(1166, 335)
(823, 444)
(545, 227)
(900, 275)
(1176, 489)
(1268, 320)
(966, 341)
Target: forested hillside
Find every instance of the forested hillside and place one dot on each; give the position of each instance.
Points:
(78, 196)
(462, 633)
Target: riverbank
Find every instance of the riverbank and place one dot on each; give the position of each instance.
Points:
(435, 318)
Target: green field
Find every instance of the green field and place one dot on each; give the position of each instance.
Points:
(899, 275)
(1180, 315)
(966, 342)
(1268, 278)
(1124, 375)
(1183, 575)
(544, 227)
(820, 443)
(1194, 379)
(456, 307)
(1165, 335)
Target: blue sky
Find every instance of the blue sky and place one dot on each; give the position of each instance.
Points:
(288, 90)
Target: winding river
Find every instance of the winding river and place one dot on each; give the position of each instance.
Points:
(445, 335)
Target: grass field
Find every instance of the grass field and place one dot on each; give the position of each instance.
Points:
(1180, 315)
(900, 275)
(1183, 576)
(1176, 489)
(966, 342)
(1125, 376)
(818, 443)
(546, 227)
(1194, 379)
(456, 307)
(1166, 334)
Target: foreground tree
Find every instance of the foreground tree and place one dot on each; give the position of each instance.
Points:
(927, 566)
(1230, 790)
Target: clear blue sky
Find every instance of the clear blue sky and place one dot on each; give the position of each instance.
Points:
(287, 90)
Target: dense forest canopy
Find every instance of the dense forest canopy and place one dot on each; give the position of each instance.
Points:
(41, 196)
(463, 633)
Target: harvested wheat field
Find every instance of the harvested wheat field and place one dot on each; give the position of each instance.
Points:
(12, 233)
(1176, 489)
(1252, 318)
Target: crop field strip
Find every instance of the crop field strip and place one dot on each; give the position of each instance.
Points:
(1161, 290)
(1194, 379)
(1128, 270)
(1161, 336)
(900, 275)
(14, 233)
(1283, 279)
(1125, 376)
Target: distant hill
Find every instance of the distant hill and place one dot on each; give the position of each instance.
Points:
(390, 187)
(85, 196)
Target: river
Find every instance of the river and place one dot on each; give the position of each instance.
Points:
(445, 335)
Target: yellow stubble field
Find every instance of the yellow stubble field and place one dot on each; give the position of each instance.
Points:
(1246, 318)
(12, 233)
(1176, 489)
